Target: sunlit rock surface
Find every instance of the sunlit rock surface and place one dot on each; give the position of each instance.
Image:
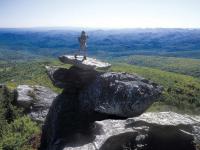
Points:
(36, 100)
(150, 131)
(89, 63)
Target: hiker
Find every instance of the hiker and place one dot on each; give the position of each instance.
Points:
(83, 45)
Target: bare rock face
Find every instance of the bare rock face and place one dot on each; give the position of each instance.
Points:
(119, 94)
(89, 63)
(112, 93)
(73, 77)
(150, 131)
(36, 100)
(88, 96)
(51, 73)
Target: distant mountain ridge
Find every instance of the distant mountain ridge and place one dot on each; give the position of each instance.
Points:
(118, 42)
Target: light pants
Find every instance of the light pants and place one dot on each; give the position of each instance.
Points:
(82, 51)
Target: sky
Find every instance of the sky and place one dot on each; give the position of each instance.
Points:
(100, 13)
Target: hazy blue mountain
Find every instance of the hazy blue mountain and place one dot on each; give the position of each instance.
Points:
(56, 41)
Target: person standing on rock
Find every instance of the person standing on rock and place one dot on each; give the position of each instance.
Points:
(83, 45)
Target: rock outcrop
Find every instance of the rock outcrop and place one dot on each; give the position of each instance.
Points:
(73, 77)
(89, 63)
(112, 93)
(88, 96)
(36, 100)
(150, 131)
(119, 94)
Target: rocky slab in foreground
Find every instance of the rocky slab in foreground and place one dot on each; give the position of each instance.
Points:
(36, 100)
(89, 63)
(150, 131)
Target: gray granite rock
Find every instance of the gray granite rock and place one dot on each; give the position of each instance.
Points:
(36, 100)
(70, 78)
(78, 117)
(89, 63)
(52, 72)
(120, 94)
(150, 131)
(112, 93)
(89, 96)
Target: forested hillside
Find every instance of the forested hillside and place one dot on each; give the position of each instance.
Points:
(181, 92)
(179, 65)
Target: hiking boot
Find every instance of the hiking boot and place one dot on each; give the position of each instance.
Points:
(75, 56)
(84, 58)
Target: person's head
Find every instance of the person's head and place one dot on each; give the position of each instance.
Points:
(83, 32)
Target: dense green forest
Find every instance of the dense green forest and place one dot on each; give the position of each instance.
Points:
(179, 65)
(32, 73)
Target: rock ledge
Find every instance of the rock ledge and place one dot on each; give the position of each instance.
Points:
(36, 100)
(89, 63)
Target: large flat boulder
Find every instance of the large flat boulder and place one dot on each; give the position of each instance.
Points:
(156, 131)
(70, 78)
(150, 131)
(89, 63)
(119, 94)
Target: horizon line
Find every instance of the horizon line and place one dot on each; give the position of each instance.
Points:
(98, 28)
